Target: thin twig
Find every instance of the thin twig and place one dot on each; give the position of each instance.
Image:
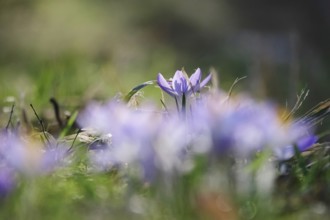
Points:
(300, 99)
(74, 140)
(214, 79)
(234, 84)
(41, 124)
(56, 111)
(10, 116)
(316, 114)
(163, 104)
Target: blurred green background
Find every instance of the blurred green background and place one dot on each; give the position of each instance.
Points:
(75, 50)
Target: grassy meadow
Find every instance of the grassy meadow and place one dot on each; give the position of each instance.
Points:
(127, 110)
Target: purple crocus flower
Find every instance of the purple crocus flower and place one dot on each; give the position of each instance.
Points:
(181, 84)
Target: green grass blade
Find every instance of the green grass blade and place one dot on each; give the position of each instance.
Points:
(129, 95)
(69, 124)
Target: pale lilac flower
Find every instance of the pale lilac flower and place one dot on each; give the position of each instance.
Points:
(181, 84)
(242, 126)
(132, 132)
(100, 117)
(244, 130)
(30, 157)
(172, 146)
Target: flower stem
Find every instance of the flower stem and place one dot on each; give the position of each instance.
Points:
(177, 104)
(183, 109)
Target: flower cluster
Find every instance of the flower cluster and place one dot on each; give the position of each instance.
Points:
(151, 143)
(159, 142)
(144, 138)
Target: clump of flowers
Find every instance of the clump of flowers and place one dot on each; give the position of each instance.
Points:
(144, 138)
(158, 142)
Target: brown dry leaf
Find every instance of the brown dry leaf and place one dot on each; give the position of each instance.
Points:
(216, 206)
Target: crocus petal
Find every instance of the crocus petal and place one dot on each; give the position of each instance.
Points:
(184, 85)
(179, 83)
(164, 85)
(206, 80)
(195, 78)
